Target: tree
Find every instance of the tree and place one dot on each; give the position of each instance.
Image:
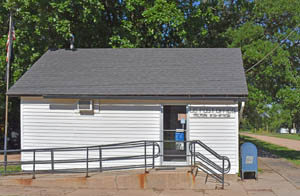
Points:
(274, 81)
(254, 26)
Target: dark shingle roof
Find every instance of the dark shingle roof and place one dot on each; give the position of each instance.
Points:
(141, 71)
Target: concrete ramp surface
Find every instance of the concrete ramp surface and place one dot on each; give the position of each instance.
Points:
(180, 179)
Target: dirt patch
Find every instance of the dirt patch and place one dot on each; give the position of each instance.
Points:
(11, 157)
(289, 143)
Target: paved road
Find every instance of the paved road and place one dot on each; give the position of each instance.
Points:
(289, 143)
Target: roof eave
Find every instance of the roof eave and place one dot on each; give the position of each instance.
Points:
(239, 97)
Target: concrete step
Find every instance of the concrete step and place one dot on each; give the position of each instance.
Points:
(179, 179)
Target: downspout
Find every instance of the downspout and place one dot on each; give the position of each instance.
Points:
(241, 111)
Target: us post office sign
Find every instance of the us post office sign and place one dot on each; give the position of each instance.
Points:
(213, 112)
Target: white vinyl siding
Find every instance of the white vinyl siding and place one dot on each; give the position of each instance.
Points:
(220, 134)
(47, 124)
(50, 123)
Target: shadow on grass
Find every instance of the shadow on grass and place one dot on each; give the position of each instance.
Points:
(279, 151)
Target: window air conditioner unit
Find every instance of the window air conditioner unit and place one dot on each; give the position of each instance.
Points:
(85, 105)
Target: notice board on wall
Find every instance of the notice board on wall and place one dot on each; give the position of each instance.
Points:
(179, 136)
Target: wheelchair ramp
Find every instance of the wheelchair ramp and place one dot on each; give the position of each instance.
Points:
(178, 179)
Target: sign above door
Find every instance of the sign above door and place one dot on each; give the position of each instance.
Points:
(212, 112)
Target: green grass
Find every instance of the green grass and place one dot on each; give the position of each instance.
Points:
(291, 155)
(11, 168)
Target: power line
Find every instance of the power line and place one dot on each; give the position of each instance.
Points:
(261, 60)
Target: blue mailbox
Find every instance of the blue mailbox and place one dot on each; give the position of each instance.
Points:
(249, 159)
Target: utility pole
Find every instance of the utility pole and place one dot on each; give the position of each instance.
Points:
(10, 40)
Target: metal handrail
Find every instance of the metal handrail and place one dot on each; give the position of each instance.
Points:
(107, 146)
(218, 156)
(134, 144)
(222, 169)
(156, 152)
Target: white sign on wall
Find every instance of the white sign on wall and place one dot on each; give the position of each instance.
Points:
(212, 112)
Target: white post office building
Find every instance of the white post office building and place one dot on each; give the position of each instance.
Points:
(91, 97)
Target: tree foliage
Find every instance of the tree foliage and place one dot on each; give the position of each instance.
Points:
(254, 26)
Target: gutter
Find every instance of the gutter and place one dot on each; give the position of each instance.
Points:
(143, 97)
(239, 98)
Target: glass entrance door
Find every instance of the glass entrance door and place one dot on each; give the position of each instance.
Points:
(174, 133)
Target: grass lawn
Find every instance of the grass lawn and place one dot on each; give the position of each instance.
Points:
(284, 135)
(10, 168)
(291, 155)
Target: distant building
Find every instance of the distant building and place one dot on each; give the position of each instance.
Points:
(283, 130)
